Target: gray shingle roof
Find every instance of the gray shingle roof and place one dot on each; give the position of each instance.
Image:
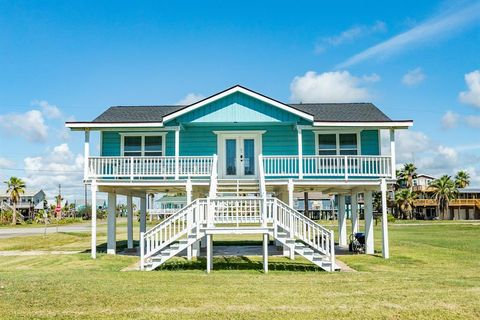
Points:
(343, 111)
(356, 112)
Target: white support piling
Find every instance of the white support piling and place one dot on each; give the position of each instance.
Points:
(209, 253)
(143, 214)
(94, 220)
(355, 215)
(369, 240)
(342, 222)
(129, 222)
(112, 223)
(385, 244)
(265, 252)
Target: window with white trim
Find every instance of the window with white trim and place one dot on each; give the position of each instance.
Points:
(143, 145)
(329, 144)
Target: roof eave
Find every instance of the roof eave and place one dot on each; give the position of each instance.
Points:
(82, 126)
(398, 124)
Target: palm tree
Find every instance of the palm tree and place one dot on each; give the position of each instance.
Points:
(405, 199)
(445, 191)
(408, 173)
(462, 179)
(16, 187)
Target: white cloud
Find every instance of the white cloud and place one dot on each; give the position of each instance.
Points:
(448, 22)
(409, 143)
(413, 77)
(190, 99)
(350, 35)
(432, 158)
(30, 125)
(60, 166)
(473, 121)
(371, 78)
(337, 86)
(450, 120)
(472, 96)
(5, 163)
(50, 111)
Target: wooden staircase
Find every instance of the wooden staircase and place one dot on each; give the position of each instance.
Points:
(238, 187)
(237, 215)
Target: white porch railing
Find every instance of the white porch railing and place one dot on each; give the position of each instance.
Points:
(148, 167)
(328, 166)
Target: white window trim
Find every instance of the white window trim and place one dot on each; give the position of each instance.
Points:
(337, 140)
(142, 135)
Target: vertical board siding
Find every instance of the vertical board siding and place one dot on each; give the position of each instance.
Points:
(238, 107)
(110, 144)
(370, 142)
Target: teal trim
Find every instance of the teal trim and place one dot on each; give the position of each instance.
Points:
(240, 108)
(370, 142)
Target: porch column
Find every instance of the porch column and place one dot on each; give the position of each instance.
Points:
(385, 245)
(143, 214)
(355, 214)
(177, 152)
(290, 187)
(86, 153)
(342, 222)
(188, 189)
(94, 220)
(111, 223)
(300, 153)
(392, 153)
(129, 222)
(368, 207)
(265, 252)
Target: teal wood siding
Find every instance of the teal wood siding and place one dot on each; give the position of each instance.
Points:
(110, 144)
(240, 108)
(308, 142)
(200, 140)
(370, 142)
(170, 143)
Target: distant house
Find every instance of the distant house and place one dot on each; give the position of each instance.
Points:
(465, 207)
(29, 202)
(238, 157)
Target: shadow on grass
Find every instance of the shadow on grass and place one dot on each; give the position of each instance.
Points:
(121, 246)
(237, 263)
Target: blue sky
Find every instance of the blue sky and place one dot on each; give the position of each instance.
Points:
(63, 60)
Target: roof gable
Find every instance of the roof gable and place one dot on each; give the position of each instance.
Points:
(245, 92)
(240, 108)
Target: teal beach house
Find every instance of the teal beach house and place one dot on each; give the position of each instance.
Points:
(237, 157)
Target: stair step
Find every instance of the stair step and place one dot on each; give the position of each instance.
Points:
(308, 251)
(165, 252)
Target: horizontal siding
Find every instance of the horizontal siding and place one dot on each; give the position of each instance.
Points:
(110, 144)
(370, 142)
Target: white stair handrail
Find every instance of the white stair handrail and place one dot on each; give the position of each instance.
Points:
(305, 229)
(263, 188)
(172, 228)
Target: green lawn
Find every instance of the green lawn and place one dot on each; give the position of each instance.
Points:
(434, 272)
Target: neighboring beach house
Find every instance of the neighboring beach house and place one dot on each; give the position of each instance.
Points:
(239, 156)
(465, 207)
(29, 202)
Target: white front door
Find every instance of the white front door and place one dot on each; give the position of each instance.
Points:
(238, 155)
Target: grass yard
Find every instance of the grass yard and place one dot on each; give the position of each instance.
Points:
(434, 272)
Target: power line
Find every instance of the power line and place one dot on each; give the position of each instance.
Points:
(40, 170)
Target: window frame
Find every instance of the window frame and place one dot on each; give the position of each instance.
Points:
(337, 141)
(142, 146)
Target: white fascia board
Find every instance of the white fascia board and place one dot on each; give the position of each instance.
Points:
(244, 91)
(383, 125)
(99, 126)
